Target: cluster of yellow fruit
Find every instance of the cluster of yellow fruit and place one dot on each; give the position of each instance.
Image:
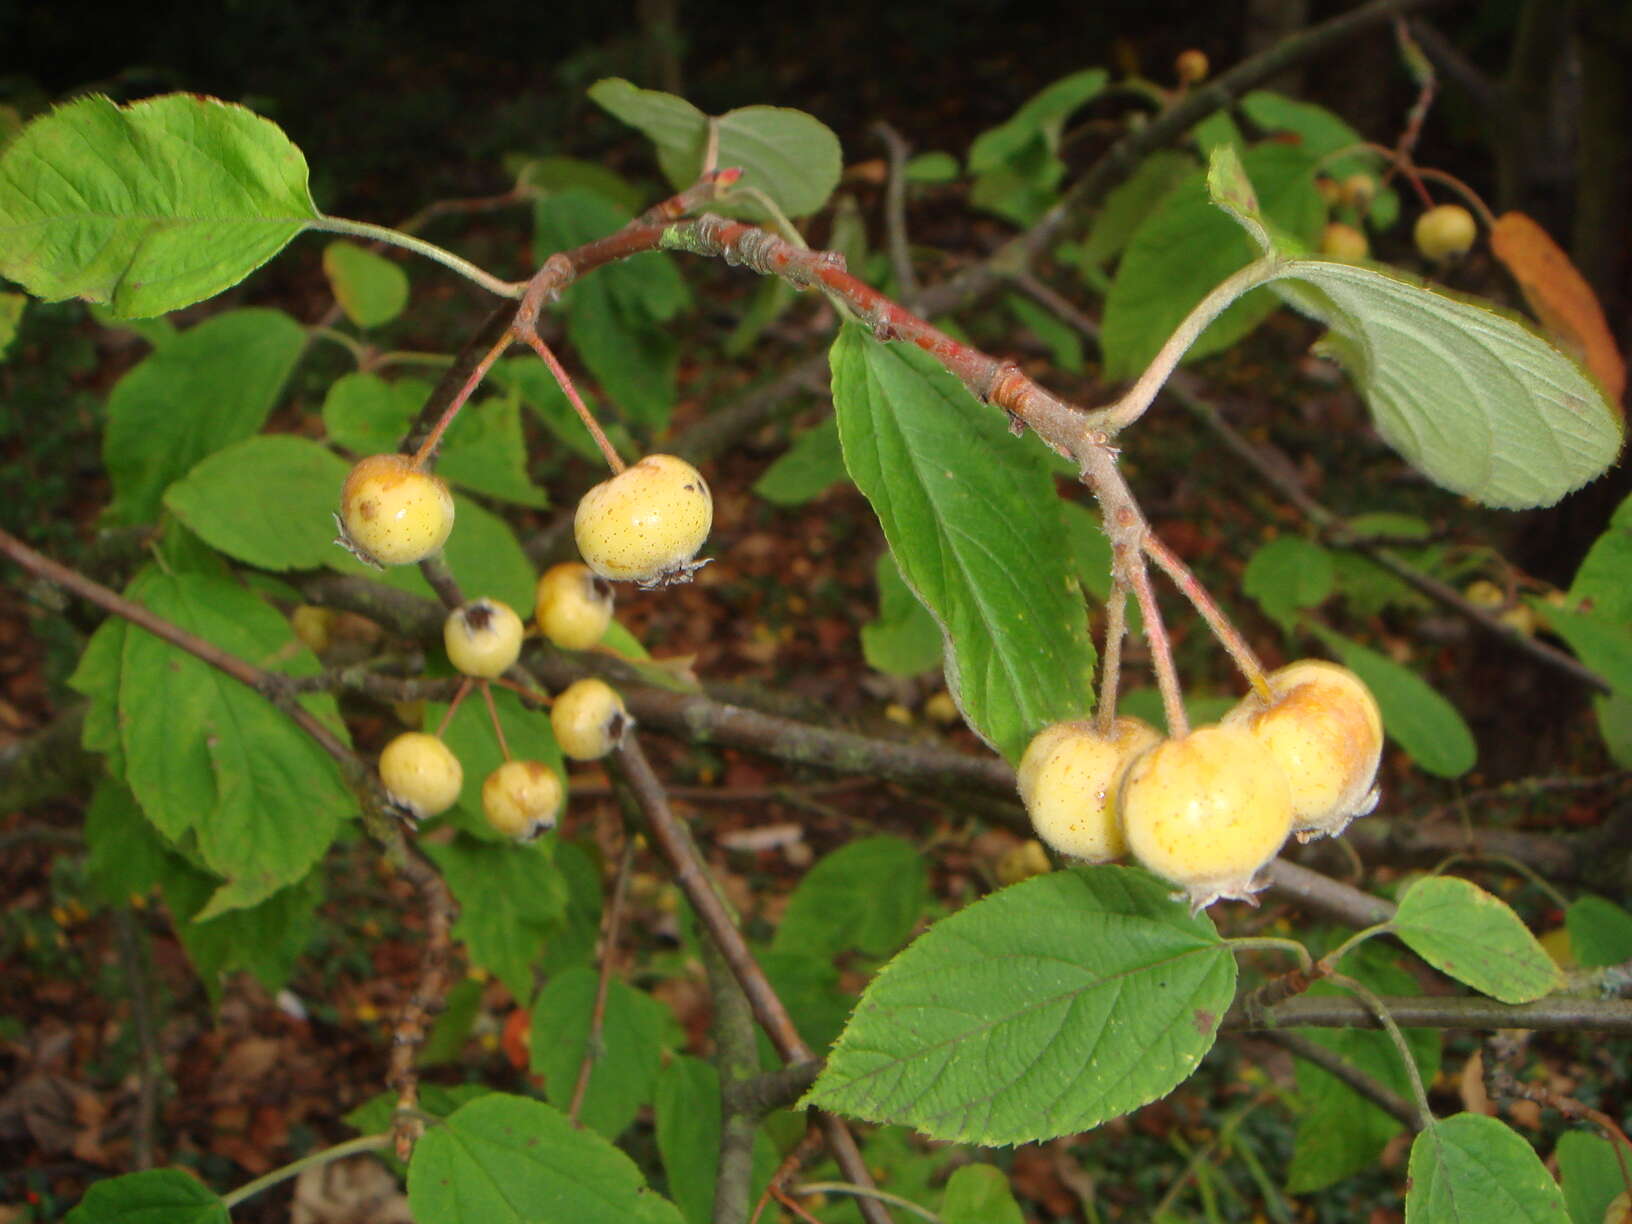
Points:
(644, 525)
(1209, 810)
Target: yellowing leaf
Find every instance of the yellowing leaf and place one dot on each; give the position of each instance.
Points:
(1560, 298)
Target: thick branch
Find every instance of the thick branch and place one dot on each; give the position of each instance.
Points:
(1559, 1012)
(1379, 1094)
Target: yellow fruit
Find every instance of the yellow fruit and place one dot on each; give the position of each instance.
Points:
(646, 524)
(1325, 732)
(314, 626)
(420, 774)
(1022, 862)
(1191, 66)
(1207, 812)
(522, 799)
(1358, 192)
(1343, 242)
(1445, 232)
(483, 637)
(1068, 780)
(392, 513)
(589, 719)
(572, 605)
(1619, 1210)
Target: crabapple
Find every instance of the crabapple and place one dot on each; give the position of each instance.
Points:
(421, 775)
(483, 637)
(1344, 243)
(1206, 811)
(572, 605)
(521, 799)
(1324, 730)
(1444, 232)
(392, 512)
(646, 524)
(588, 718)
(1068, 781)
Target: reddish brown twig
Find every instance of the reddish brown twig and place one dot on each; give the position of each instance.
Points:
(608, 953)
(408, 1034)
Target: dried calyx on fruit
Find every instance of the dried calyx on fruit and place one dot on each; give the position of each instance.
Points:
(1068, 779)
(1325, 732)
(483, 637)
(646, 524)
(1444, 232)
(421, 775)
(572, 605)
(392, 512)
(522, 799)
(1207, 811)
(589, 719)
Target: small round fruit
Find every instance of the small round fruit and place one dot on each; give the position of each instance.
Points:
(1326, 733)
(1343, 242)
(572, 605)
(1068, 782)
(483, 637)
(1207, 812)
(1444, 232)
(1619, 1210)
(1191, 66)
(392, 513)
(646, 524)
(1023, 861)
(1331, 191)
(1358, 192)
(314, 626)
(421, 775)
(522, 799)
(589, 719)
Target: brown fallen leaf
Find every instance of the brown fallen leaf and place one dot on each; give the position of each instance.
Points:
(1560, 298)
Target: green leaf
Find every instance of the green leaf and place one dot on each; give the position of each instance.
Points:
(212, 385)
(1287, 575)
(265, 939)
(153, 1196)
(558, 173)
(867, 895)
(287, 524)
(1131, 201)
(11, 318)
(511, 900)
(689, 1113)
(1042, 1010)
(1614, 714)
(1417, 718)
(1065, 347)
(982, 554)
(370, 288)
(905, 640)
(1590, 1174)
(931, 167)
(979, 1194)
(149, 207)
(127, 857)
(1604, 581)
(807, 469)
(1318, 130)
(1466, 933)
(809, 988)
(507, 1160)
(789, 155)
(222, 763)
(1471, 1168)
(635, 1030)
(96, 677)
(1600, 932)
(1186, 247)
(1042, 118)
(1471, 398)
(573, 942)
(1601, 642)
(367, 415)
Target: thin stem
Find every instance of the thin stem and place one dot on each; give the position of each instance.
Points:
(1518, 866)
(1419, 1094)
(428, 447)
(1331, 959)
(530, 335)
(493, 716)
(1161, 650)
(384, 233)
(351, 1147)
(1247, 943)
(1379, 1094)
(1124, 412)
(865, 1192)
(357, 349)
(1246, 660)
(1110, 660)
(609, 949)
(447, 715)
(895, 210)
